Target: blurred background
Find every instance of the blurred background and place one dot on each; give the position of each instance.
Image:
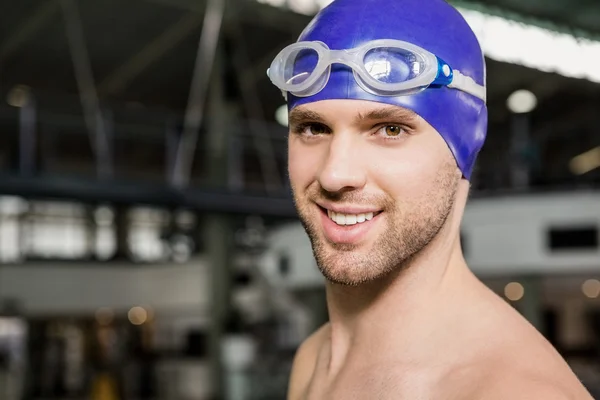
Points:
(148, 245)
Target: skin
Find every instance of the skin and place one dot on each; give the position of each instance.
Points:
(408, 319)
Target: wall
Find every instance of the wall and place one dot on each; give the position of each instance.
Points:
(509, 235)
(84, 288)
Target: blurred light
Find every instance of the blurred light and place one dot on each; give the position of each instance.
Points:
(543, 49)
(586, 162)
(18, 96)
(521, 102)
(513, 42)
(104, 216)
(591, 288)
(137, 315)
(514, 291)
(281, 115)
(238, 351)
(105, 316)
(11, 326)
(274, 3)
(324, 3)
(12, 205)
(306, 7)
(182, 247)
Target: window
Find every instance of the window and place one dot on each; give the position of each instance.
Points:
(573, 238)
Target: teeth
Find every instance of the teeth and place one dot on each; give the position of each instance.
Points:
(349, 219)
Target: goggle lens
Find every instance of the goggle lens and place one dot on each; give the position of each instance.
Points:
(300, 65)
(393, 65)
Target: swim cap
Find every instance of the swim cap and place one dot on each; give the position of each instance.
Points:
(434, 25)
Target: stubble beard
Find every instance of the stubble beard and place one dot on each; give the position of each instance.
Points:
(410, 226)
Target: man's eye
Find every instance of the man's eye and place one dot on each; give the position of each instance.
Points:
(317, 129)
(392, 130)
(312, 129)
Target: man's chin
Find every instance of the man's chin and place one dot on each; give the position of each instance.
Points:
(350, 267)
(351, 277)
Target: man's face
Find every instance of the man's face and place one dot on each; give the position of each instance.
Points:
(373, 185)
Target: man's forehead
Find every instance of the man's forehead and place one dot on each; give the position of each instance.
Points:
(359, 111)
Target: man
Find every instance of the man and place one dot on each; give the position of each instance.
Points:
(387, 116)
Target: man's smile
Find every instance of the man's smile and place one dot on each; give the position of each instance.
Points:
(348, 224)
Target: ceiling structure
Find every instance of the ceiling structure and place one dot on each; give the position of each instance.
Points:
(142, 55)
(581, 16)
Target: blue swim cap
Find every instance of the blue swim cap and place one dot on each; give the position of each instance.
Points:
(433, 25)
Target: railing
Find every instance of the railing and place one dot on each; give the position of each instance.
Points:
(53, 152)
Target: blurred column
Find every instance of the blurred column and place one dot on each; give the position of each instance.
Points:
(122, 251)
(238, 354)
(519, 168)
(27, 130)
(574, 331)
(235, 157)
(107, 142)
(172, 136)
(521, 103)
(218, 230)
(219, 126)
(218, 235)
(91, 229)
(530, 305)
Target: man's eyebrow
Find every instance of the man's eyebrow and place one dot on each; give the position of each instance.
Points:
(298, 116)
(387, 113)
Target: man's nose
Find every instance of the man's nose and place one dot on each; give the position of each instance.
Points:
(343, 169)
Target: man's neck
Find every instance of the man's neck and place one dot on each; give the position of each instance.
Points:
(403, 308)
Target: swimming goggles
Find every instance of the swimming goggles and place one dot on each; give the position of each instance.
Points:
(382, 67)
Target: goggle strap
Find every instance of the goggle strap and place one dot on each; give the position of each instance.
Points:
(468, 85)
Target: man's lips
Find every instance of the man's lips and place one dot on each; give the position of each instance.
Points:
(348, 208)
(348, 228)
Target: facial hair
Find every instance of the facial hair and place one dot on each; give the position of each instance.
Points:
(410, 226)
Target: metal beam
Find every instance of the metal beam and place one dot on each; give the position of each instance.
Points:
(87, 89)
(207, 47)
(120, 192)
(250, 12)
(28, 28)
(133, 67)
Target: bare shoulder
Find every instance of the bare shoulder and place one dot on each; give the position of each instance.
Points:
(304, 362)
(530, 386)
(509, 359)
(517, 362)
(523, 373)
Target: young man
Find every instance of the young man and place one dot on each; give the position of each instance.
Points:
(387, 116)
